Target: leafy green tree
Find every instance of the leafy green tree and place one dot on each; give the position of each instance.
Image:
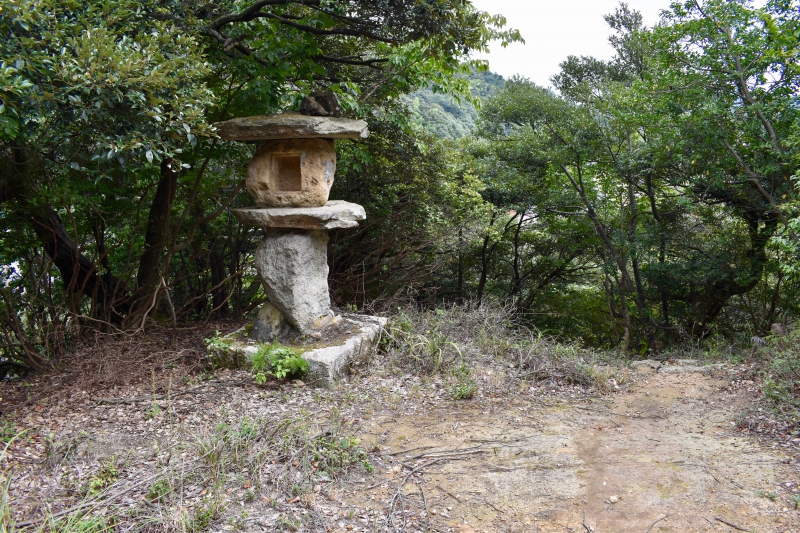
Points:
(676, 154)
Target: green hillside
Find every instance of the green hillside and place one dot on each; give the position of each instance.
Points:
(443, 116)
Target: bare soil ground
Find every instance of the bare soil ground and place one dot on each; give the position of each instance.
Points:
(668, 448)
(665, 453)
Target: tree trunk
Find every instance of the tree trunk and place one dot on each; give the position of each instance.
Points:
(148, 279)
(78, 273)
(485, 256)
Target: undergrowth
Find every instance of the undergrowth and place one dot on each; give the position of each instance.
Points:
(778, 358)
(238, 458)
(453, 341)
(277, 361)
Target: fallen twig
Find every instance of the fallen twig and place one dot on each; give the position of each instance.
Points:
(398, 495)
(443, 490)
(487, 502)
(656, 522)
(409, 450)
(734, 526)
(431, 455)
(425, 503)
(587, 528)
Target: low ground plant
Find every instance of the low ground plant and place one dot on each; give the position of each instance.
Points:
(277, 361)
(464, 385)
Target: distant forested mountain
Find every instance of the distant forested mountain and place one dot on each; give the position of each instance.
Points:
(443, 116)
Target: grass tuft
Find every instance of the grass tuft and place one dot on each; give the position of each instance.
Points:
(454, 340)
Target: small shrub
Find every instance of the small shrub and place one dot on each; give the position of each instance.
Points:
(780, 371)
(771, 496)
(277, 361)
(454, 339)
(218, 341)
(207, 511)
(106, 476)
(465, 385)
(421, 341)
(159, 491)
(78, 523)
(8, 431)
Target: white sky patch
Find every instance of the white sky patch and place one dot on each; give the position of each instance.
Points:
(554, 30)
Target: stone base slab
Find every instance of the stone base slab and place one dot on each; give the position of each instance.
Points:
(327, 358)
(336, 214)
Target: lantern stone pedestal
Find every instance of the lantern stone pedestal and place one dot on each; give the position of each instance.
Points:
(290, 178)
(292, 262)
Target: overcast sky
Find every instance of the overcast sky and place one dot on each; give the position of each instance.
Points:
(554, 29)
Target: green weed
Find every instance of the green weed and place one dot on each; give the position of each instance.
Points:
(771, 496)
(159, 491)
(465, 385)
(206, 512)
(287, 523)
(103, 478)
(780, 372)
(8, 431)
(277, 361)
(79, 523)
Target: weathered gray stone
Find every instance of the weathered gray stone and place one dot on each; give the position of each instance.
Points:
(291, 126)
(647, 364)
(269, 324)
(676, 366)
(321, 104)
(292, 173)
(294, 270)
(325, 365)
(336, 214)
(687, 366)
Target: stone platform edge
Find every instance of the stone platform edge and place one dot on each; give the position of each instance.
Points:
(326, 364)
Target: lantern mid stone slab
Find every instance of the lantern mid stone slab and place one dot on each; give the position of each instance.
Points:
(336, 214)
(292, 173)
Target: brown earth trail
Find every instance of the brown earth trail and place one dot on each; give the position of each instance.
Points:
(663, 454)
(665, 457)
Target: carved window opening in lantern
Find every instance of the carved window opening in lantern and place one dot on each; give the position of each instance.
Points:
(288, 172)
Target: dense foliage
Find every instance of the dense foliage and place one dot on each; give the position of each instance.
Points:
(677, 156)
(645, 200)
(447, 117)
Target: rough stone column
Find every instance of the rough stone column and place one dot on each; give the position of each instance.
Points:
(293, 267)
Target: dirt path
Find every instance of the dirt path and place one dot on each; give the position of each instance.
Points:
(670, 447)
(514, 459)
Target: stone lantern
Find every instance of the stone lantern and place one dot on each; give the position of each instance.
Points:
(290, 178)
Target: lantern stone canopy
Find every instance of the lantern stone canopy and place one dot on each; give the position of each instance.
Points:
(290, 178)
